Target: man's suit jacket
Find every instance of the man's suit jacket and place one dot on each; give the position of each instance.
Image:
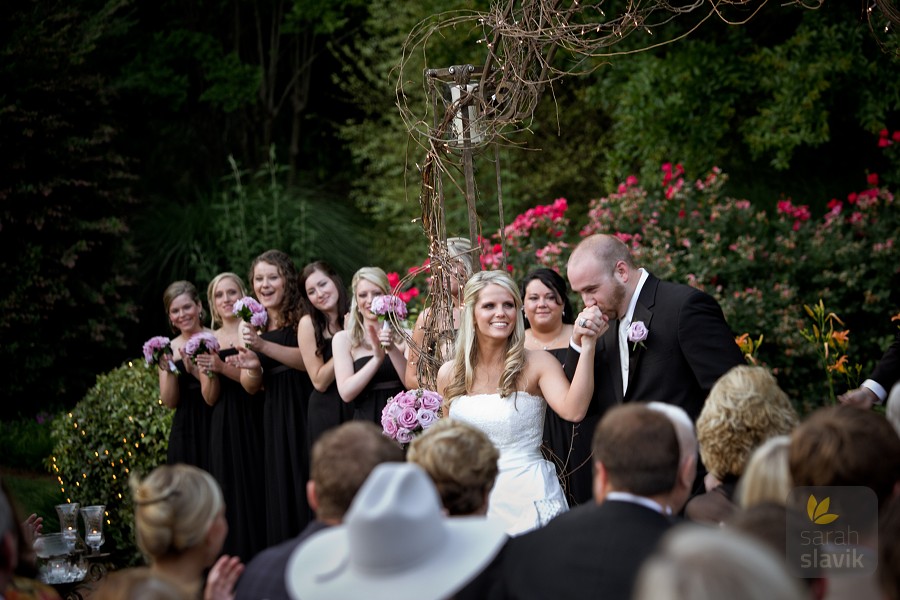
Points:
(589, 552)
(887, 371)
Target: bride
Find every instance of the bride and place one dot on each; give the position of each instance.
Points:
(494, 383)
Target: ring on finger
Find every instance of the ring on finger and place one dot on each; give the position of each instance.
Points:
(584, 322)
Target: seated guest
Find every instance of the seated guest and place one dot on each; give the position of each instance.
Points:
(595, 550)
(139, 584)
(698, 563)
(16, 558)
(462, 463)
(767, 477)
(840, 445)
(395, 544)
(744, 408)
(342, 459)
(687, 443)
(889, 550)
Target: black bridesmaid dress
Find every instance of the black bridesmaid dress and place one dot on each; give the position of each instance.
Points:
(567, 447)
(326, 409)
(285, 427)
(237, 463)
(372, 400)
(189, 437)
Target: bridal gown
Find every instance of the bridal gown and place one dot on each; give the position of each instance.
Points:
(527, 493)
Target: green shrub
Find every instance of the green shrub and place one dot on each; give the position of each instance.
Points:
(119, 428)
(26, 442)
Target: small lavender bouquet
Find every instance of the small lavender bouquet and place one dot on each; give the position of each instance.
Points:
(158, 349)
(201, 343)
(252, 312)
(387, 305)
(409, 413)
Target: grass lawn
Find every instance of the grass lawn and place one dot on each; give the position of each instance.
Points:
(35, 493)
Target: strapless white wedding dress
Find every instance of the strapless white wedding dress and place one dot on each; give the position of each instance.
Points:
(527, 493)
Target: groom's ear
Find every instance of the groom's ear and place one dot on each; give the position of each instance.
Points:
(601, 481)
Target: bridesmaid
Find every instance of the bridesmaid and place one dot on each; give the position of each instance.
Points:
(276, 365)
(460, 250)
(187, 392)
(368, 360)
(325, 304)
(236, 441)
(549, 321)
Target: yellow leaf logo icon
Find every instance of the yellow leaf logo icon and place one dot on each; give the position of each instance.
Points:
(818, 511)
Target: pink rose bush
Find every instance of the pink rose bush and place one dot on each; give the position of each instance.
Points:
(409, 413)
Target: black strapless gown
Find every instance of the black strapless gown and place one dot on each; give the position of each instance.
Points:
(237, 463)
(189, 437)
(372, 400)
(568, 447)
(286, 453)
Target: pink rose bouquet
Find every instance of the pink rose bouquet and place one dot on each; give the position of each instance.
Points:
(201, 343)
(409, 413)
(251, 311)
(637, 333)
(158, 349)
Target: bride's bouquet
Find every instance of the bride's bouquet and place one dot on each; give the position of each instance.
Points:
(158, 349)
(409, 413)
(201, 343)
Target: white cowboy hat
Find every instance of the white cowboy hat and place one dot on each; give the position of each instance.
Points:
(395, 544)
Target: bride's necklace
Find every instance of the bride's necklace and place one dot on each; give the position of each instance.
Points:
(540, 343)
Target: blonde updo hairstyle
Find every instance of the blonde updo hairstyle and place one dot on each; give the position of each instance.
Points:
(211, 295)
(356, 325)
(174, 508)
(745, 408)
(463, 375)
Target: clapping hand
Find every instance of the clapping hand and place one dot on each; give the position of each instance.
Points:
(244, 359)
(222, 578)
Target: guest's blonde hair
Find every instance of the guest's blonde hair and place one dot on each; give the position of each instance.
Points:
(174, 507)
(745, 408)
(466, 356)
(211, 295)
(462, 462)
(767, 477)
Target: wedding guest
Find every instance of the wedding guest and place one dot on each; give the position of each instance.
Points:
(272, 361)
(767, 477)
(494, 383)
(342, 459)
(188, 390)
(429, 556)
(876, 388)
(180, 526)
(462, 463)
(139, 583)
(369, 359)
(17, 567)
(744, 408)
(688, 453)
(596, 549)
(325, 304)
(889, 550)
(840, 445)
(549, 322)
(665, 342)
(699, 563)
(236, 441)
(433, 328)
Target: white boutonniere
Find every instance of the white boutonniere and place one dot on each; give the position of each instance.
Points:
(637, 333)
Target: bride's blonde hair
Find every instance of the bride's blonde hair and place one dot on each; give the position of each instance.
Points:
(466, 357)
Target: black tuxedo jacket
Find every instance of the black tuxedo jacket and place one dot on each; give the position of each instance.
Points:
(589, 552)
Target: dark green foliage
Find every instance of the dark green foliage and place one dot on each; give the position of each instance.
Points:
(64, 252)
(25, 442)
(120, 428)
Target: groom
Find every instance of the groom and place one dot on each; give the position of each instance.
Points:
(666, 342)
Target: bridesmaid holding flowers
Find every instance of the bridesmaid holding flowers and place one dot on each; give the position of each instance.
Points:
(188, 389)
(272, 361)
(236, 441)
(369, 359)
